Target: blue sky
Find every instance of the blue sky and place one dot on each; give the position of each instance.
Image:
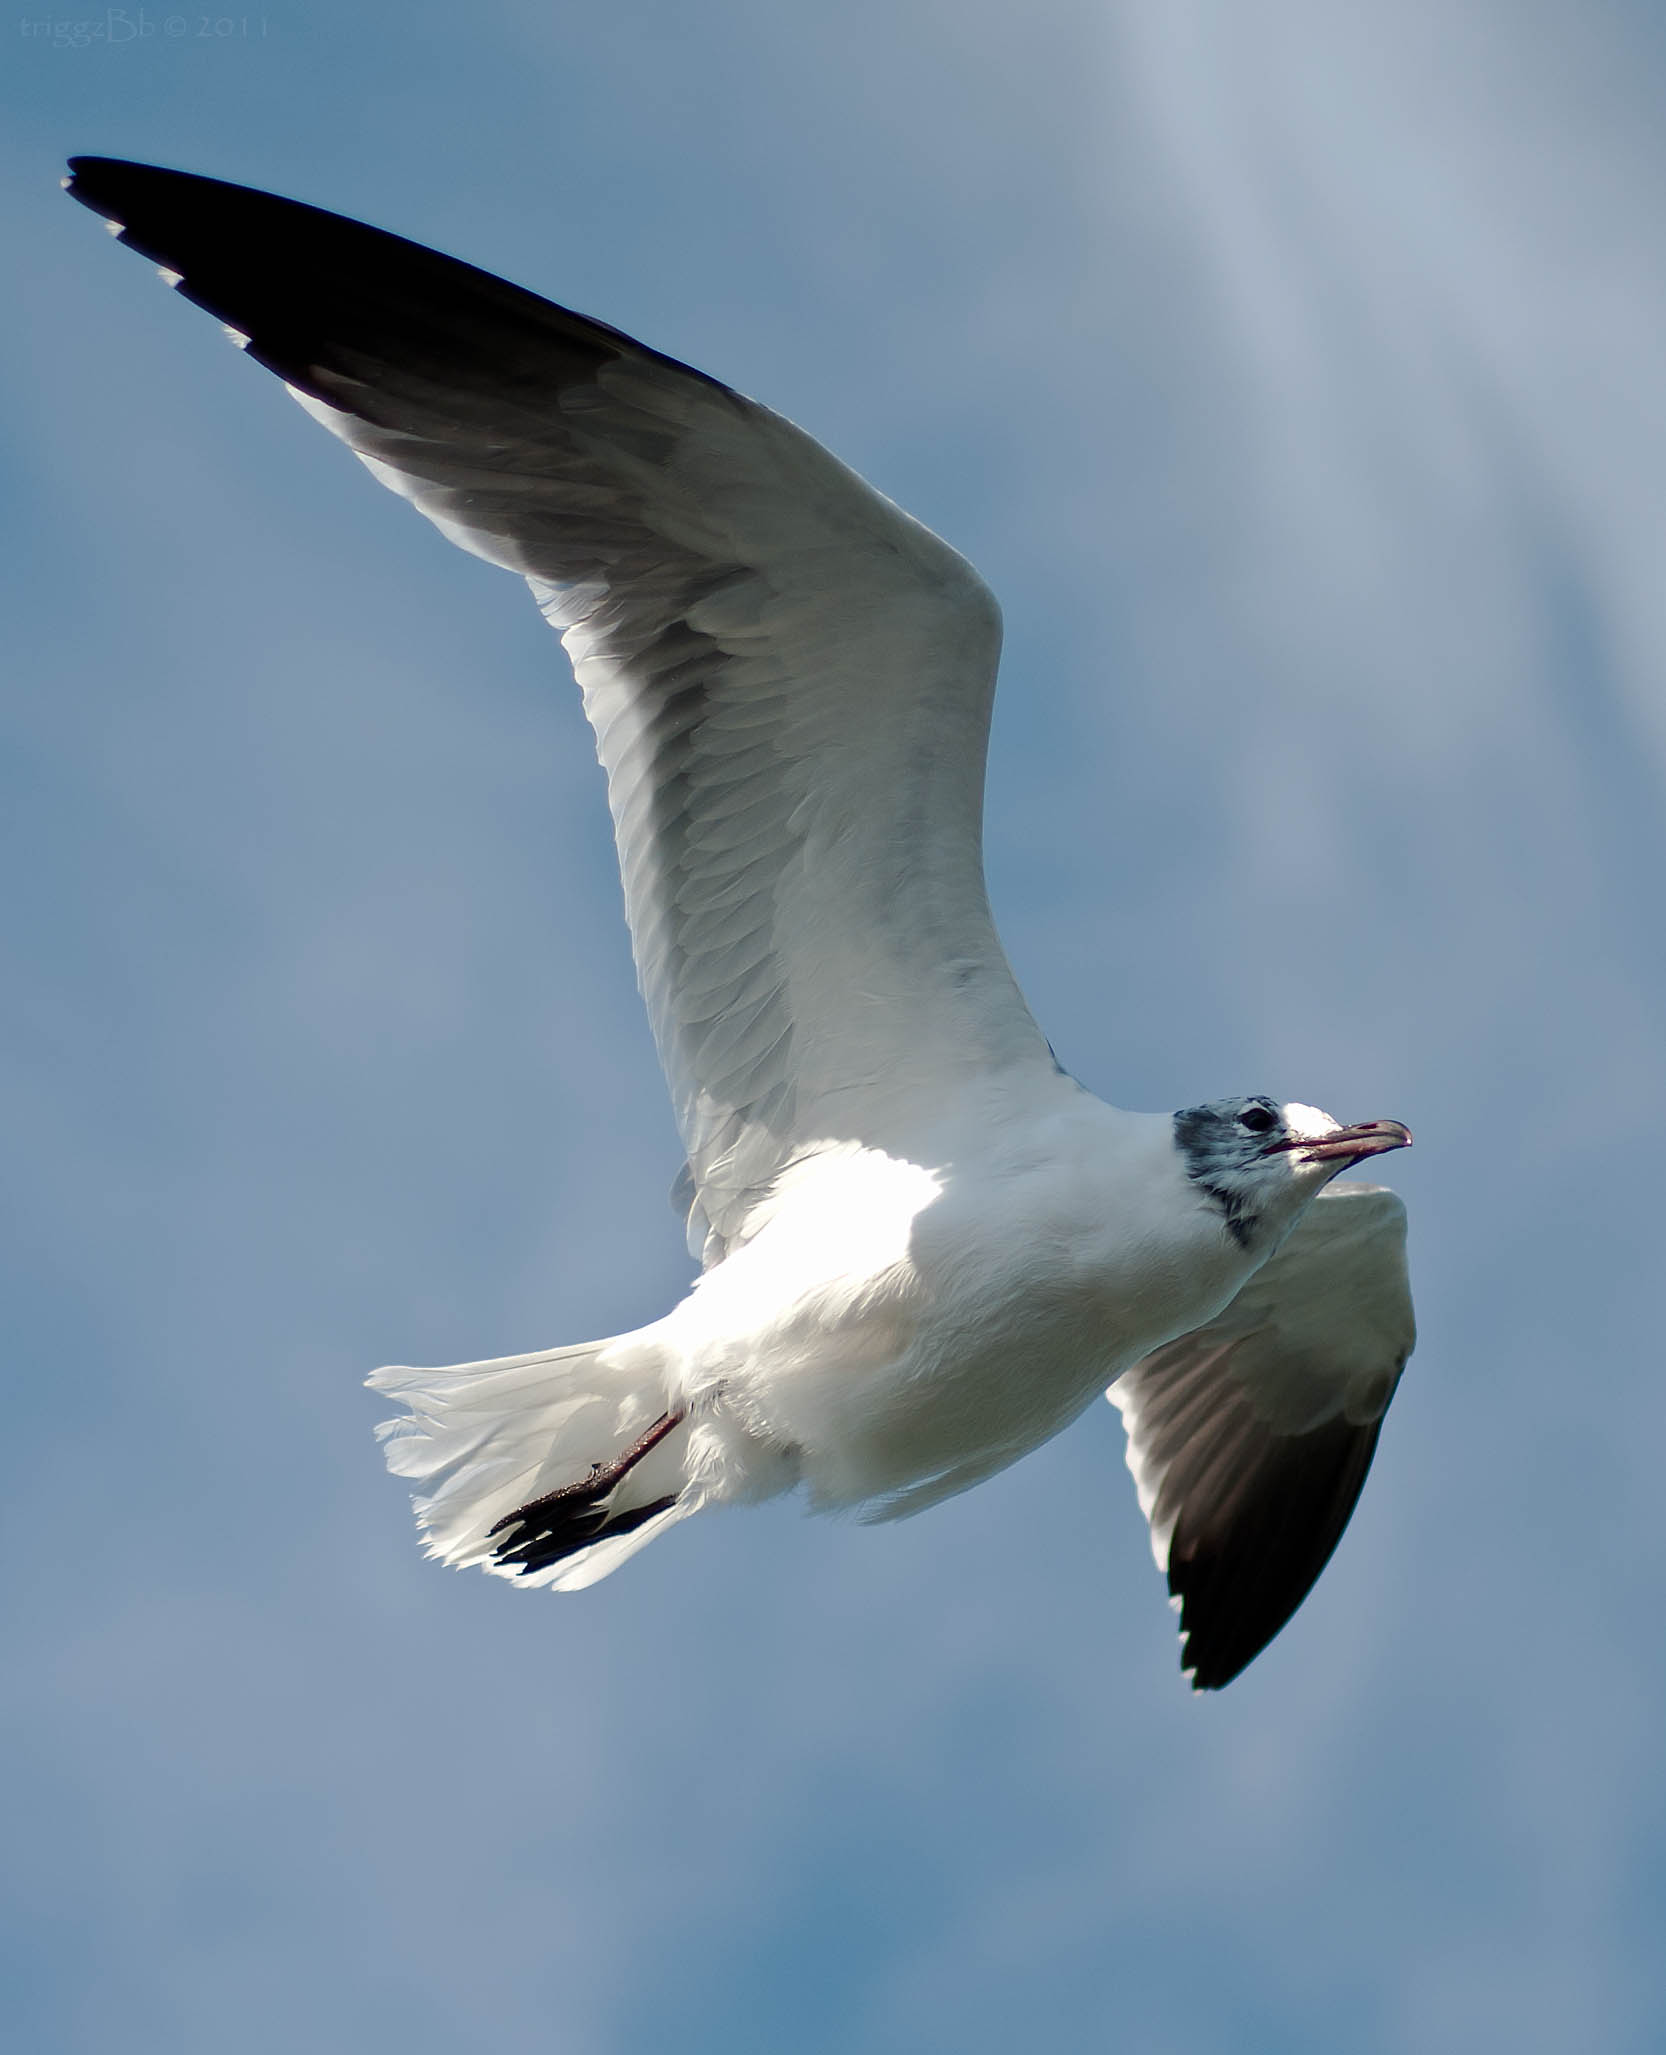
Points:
(1294, 375)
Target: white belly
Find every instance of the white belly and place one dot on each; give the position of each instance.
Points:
(895, 1331)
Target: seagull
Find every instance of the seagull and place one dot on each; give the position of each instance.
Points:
(925, 1249)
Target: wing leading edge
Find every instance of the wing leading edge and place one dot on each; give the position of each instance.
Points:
(789, 679)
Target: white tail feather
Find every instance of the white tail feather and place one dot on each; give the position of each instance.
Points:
(486, 1438)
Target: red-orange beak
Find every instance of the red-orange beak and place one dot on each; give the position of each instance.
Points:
(1350, 1144)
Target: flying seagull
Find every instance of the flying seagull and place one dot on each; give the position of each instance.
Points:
(925, 1248)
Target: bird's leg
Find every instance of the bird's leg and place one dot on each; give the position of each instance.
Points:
(603, 1476)
(571, 1517)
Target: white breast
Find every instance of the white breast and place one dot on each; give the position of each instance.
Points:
(905, 1329)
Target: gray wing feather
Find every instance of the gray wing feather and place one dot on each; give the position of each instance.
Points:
(1250, 1439)
(789, 679)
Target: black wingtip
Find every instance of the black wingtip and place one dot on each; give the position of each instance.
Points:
(1240, 1580)
(135, 199)
(99, 182)
(308, 287)
(83, 177)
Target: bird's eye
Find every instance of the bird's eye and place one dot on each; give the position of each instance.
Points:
(1259, 1120)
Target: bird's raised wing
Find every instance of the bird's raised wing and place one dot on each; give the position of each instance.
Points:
(789, 679)
(1250, 1439)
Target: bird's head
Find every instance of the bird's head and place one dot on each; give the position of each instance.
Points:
(1261, 1163)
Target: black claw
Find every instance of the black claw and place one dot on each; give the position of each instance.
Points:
(562, 1522)
(538, 1548)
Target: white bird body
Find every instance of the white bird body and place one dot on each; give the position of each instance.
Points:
(925, 1249)
(890, 1329)
(900, 1325)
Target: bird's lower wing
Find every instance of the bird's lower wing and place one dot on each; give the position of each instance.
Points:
(1250, 1439)
(789, 679)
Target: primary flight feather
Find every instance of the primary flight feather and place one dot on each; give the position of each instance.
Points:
(925, 1249)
